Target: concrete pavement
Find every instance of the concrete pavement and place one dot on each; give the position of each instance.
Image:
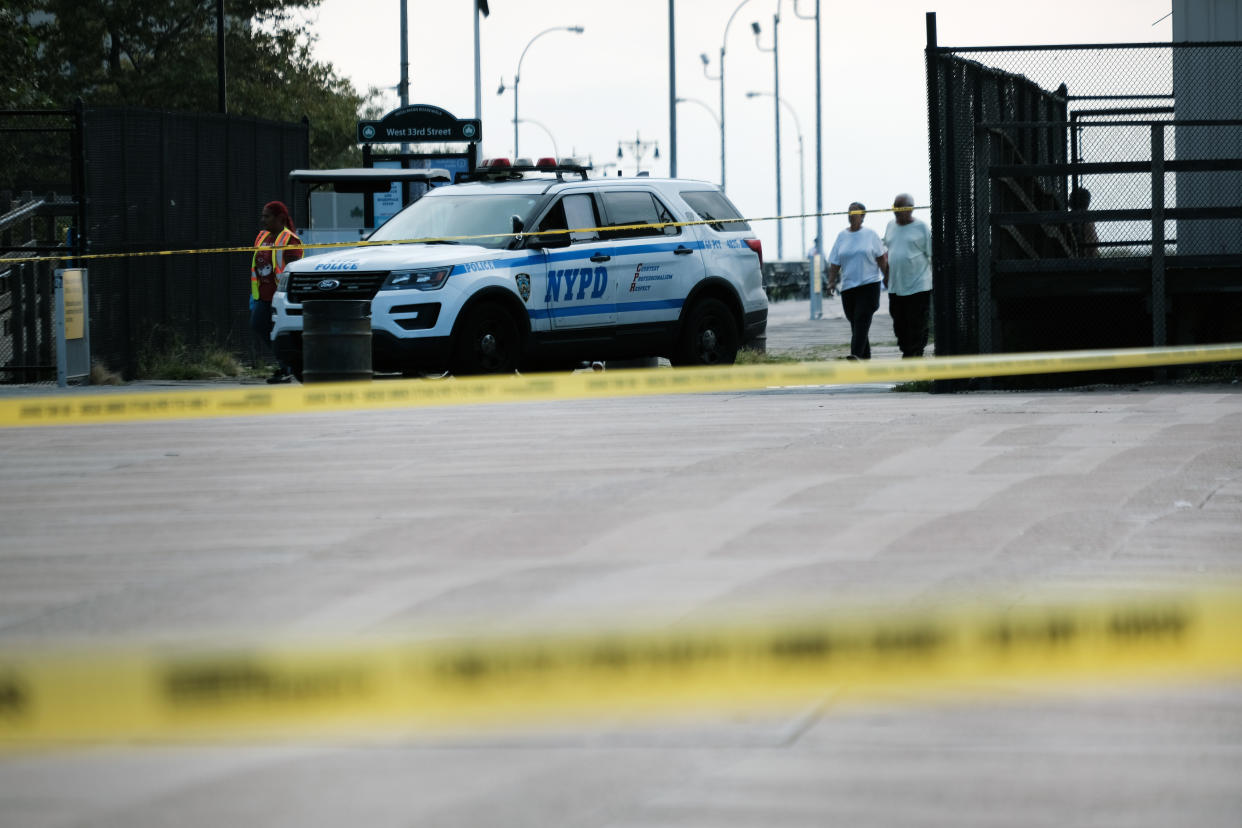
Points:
(671, 509)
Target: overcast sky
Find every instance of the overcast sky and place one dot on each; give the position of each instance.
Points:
(611, 83)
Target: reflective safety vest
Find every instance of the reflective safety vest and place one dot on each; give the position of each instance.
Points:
(278, 257)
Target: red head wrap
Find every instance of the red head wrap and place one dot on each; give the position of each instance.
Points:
(278, 209)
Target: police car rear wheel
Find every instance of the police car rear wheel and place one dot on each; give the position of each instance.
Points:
(710, 335)
(487, 342)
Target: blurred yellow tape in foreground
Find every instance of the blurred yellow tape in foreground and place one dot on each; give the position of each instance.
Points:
(82, 407)
(410, 687)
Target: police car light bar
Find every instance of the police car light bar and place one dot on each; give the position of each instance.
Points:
(491, 169)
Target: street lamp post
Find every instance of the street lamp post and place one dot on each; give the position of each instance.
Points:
(816, 298)
(703, 104)
(556, 152)
(638, 148)
(517, 77)
(721, 77)
(801, 162)
(776, 108)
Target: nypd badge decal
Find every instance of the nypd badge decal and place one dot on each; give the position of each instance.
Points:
(523, 285)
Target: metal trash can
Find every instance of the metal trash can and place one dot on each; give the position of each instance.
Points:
(336, 340)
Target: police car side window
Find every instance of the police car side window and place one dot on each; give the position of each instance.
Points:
(580, 213)
(628, 208)
(714, 208)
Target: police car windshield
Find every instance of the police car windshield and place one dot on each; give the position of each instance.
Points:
(453, 216)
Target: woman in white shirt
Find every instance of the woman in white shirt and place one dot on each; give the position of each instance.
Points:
(858, 263)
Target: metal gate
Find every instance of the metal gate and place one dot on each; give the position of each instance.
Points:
(1078, 202)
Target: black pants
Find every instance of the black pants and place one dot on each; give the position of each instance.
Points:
(910, 315)
(261, 324)
(860, 304)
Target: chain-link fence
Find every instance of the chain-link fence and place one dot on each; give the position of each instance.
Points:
(1086, 196)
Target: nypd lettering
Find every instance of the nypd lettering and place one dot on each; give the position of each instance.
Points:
(576, 281)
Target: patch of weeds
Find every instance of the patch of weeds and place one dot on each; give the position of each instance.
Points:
(166, 356)
(815, 353)
(749, 356)
(1210, 373)
(103, 375)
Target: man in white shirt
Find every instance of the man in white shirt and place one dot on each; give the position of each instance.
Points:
(909, 277)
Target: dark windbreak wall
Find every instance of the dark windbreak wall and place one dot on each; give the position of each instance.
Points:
(159, 181)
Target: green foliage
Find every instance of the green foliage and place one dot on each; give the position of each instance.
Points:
(166, 356)
(20, 86)
(101, 374)
(749, 356)
(161, 54)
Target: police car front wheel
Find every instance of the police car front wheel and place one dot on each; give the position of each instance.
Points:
(710, 335)
(487, 341)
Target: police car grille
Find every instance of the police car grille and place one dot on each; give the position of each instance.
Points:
(349, 284)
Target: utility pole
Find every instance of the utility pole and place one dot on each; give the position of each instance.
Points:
(672, 93)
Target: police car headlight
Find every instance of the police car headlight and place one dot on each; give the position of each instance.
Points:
(428, 279)
(282, 283)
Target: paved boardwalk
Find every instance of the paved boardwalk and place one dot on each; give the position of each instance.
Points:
(791, 330)
(371, 523)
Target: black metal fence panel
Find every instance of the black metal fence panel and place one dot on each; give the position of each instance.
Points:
(1086, 196)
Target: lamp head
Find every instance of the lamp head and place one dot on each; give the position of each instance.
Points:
(619, 155)
(703, 57)
(753, 94)
(501, 89)
(754, 27)
(577, 29)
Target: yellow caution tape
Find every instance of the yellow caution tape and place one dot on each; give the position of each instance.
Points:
(196, 251)
(401, 687)
(89, 407)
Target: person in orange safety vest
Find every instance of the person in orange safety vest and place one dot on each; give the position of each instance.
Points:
(271, 256)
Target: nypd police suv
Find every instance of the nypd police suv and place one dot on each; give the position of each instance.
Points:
(540, 266)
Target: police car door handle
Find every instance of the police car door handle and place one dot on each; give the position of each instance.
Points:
(682, 250)
(600, 257)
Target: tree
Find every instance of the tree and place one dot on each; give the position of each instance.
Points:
(19, 44)
(161, 54)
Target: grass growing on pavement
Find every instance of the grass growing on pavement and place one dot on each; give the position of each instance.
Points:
(814, 353)
(101, 374)
(166, 356)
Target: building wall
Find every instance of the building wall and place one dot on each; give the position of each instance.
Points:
(1207, 84)
(1207, 20)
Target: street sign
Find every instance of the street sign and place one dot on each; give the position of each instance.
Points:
(419, 123)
